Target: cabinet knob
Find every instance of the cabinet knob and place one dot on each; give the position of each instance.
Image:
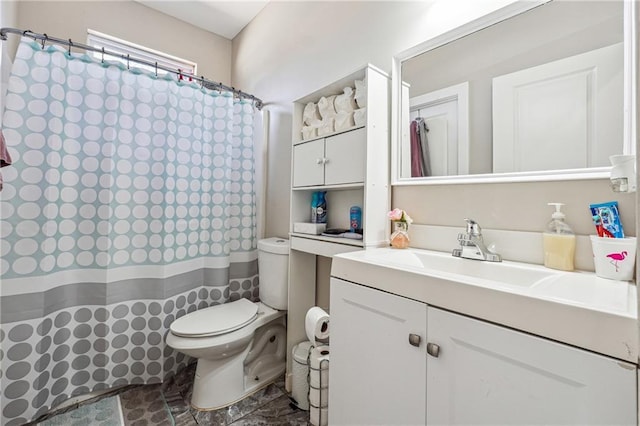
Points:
(433, 350)
(414, 340)
(325, 160)
(319, 160)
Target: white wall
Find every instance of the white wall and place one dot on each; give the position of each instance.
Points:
(8, 19)
(294, 48)
(133, 22)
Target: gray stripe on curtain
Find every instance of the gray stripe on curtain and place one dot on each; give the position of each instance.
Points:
(23, 307)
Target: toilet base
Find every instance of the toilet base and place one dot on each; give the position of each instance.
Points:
(220, 383)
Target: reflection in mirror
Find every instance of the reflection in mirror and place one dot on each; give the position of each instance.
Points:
(540, 91)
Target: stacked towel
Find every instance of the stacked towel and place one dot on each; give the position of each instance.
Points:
(361, 93)
(326, 107)
(346, 101)
(311, 115)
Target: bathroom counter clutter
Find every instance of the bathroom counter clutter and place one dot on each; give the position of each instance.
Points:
(577, 308)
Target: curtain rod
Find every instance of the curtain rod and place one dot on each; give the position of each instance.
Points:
(212, 85)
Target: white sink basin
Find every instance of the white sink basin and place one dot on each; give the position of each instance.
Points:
(577, 308)
(480, 272)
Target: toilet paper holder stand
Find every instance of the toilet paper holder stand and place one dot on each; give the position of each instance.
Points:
(323, 404)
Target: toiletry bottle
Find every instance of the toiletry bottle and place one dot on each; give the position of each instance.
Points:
(355, 219)
(321, 208)
(314, 207)
(559, 242)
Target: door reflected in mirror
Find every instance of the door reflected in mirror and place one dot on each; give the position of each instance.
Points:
(539, 92)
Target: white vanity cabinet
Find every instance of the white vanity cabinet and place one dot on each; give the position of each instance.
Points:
(485, 373)
(335, 160)
(377, 377)
(464, 371)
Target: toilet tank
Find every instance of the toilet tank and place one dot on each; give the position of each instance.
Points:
(273, 272)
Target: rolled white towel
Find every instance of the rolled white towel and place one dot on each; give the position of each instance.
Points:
(344, 121)
(361, 93)
(327, 126)
(360, 117)
(310, 114)
(326, 107)
(309, 132)
(346, 101)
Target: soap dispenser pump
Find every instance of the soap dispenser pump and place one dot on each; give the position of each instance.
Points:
(559, 242)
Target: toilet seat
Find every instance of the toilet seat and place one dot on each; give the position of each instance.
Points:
(216, 320)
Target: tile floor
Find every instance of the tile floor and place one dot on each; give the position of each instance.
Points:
(167, 404)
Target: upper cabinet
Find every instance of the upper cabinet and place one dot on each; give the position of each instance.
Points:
(334, 160)
(341, 146)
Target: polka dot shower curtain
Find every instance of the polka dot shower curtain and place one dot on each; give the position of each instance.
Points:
(130, 202)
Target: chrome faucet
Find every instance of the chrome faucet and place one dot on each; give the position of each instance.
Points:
(472, 245)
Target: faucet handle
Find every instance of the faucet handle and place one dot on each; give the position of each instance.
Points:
(473, 228)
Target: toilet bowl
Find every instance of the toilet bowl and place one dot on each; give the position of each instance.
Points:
(240, 345)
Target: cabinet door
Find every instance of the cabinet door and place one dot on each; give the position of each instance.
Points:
(487, 374)
(308, 163)
(376, 376)
(345, 156)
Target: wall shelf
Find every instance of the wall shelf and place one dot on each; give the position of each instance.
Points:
(352, 166)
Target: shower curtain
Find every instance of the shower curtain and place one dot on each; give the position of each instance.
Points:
(130, 203)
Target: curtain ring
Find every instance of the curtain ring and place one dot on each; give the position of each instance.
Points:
(202, 81)
(102, 55)
(43, 40)
(70, 44)
(127, 61)
(156, 69)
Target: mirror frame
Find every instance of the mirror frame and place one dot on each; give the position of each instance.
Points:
(501, 14)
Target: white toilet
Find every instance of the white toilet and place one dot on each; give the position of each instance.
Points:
(241, 345)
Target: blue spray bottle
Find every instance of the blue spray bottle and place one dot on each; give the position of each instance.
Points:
(321, 210)
(319, 207)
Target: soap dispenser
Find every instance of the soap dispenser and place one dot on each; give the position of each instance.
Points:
(559, 242)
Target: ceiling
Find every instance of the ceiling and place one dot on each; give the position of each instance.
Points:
(223, 17)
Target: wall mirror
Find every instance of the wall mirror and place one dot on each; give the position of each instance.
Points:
(533, 91)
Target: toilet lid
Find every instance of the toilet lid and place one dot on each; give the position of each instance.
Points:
(216, 320)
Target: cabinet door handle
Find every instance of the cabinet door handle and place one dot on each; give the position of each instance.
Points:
(433, 350)
(319, 160)
(414, 340)
(325, 160)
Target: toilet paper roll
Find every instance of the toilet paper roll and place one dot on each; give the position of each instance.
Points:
(316, 324)
(319, 367)
(319, 416)
(319, 397)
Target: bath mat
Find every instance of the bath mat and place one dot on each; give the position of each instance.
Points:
(105, 412)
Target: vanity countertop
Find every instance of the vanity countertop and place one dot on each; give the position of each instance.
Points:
(577, 308)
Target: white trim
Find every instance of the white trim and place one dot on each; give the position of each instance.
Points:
(459, 93)
(540, 176)
(114, 44)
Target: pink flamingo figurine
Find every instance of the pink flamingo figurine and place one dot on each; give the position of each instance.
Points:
(616, 257)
